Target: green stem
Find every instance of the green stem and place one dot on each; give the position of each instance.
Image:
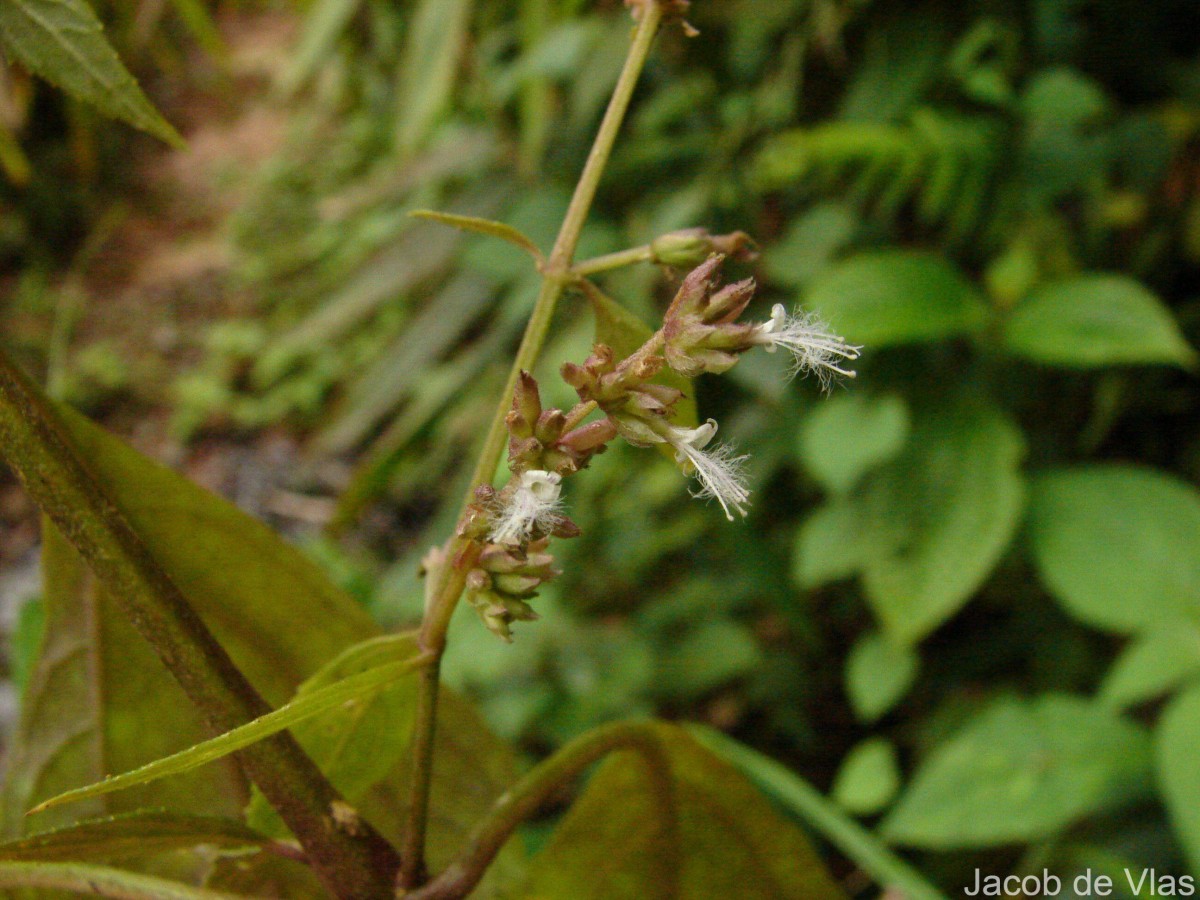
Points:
(356, 865)
(611, 261)
(100, 881)
(544, 781)
(556, 276)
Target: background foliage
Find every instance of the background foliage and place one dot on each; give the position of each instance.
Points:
(967, 601)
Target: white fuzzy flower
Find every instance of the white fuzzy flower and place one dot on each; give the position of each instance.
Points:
(535, 505)
(808, 339)
(717, 469)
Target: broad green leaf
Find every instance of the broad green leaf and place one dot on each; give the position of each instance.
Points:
(714, 653)
(938, 517)
(805, 802)
(131, 834)
(625, 333)
(728, 841)
(878, 673)
(1176, 740)
(891, 297)
(1020, 771)
(483, 226)
(1118, 546)
(1153, 664)
(829, 545)
(270, 607)
(63, 41)
(868, 778)
(347, 691)
(1096, 320)
(847, 436)
(98, 699)
(362, 745)
(810, 244)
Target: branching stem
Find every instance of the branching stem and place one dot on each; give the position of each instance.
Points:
(529, 794)
(557, 275)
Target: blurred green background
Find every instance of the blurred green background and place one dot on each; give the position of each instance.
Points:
(967, 599)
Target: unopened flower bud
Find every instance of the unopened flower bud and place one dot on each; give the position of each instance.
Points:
(689, 247)
(694, 290)
(588, 438)
(549, 426)
(682, 249)
(517, 585)
(526, 407)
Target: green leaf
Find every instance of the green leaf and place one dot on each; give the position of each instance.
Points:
(892, 297)
(97, 698)
(1153, 664)
(878, 673)
(829, 546)
(131, 834)
(1176, 739)
(483, 226)
(625, 333)
(79, 878)
(351, 690)
(63, 41)
(731, 842)
(362, 746)
(937, 518)
(868, 778)
(1096, 320)
(437, 36)
(1020, 771)
(714, 653)
(355, 741)
(807, 803)
(847, 436)
(281, 620)
(1118, 546)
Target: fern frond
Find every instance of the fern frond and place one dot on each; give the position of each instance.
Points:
(937, 165)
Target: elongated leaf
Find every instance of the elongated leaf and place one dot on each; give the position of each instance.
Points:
(347, 690)
(1020, 772)
(63, 41)
(323, 24)
(1118, 546)
(359, 742)
(483, 226)
(1096, 320)
(808, 804)
(363, 746)
(429, 66)
(131, 834)
(730, 842)
(80, 878)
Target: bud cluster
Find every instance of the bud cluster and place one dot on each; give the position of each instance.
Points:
(700, 333)
(503, 582)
